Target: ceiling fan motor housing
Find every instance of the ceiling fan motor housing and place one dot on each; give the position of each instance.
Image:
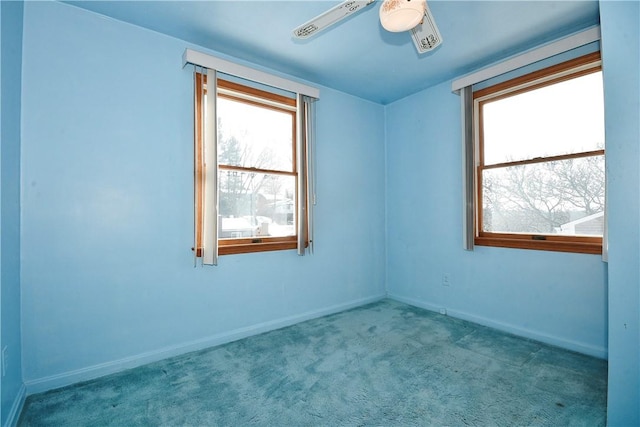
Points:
(401, 15)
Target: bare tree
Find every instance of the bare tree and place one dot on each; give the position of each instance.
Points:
(238, 188)
(538, 198)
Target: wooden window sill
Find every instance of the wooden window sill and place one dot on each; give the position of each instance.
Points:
(243, 248)
(584, 245)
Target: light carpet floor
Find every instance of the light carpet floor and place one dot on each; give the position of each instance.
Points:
(386, 364)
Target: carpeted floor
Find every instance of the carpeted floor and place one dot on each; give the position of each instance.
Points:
(383, 364)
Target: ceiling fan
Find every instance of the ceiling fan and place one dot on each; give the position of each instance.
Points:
(395, 16)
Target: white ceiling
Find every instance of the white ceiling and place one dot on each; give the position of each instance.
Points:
(358, 56)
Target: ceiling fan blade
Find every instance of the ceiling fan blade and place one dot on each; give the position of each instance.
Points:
(330, 17)
(426, 35)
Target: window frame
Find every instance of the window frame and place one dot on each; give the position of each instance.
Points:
(256, 97)
(564, 71)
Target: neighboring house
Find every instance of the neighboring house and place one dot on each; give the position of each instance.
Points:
(280, 209)
(591, 225)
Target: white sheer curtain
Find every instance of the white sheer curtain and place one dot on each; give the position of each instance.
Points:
(210, 172)
(605, 233)
(468, 169)
(306, 172)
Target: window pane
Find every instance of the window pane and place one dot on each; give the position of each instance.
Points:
(563, 118)
(256, 205)
(252, 136)
(563, 197)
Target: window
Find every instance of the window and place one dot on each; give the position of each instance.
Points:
(258, 178)
(540, 159)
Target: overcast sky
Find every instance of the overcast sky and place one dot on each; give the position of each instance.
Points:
(572, 111)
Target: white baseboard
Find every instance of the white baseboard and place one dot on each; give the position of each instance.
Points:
(16, 408)
(578, 347)
(39, 385)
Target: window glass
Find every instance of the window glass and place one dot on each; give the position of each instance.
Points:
(563, 118)
(257, 178)
(254, 136)
(256, 205)
(560, 197)
(540, 176)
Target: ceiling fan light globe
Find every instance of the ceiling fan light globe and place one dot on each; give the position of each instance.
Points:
(401, 15)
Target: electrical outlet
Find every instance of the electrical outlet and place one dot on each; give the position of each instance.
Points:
(446, 279)
(5, 361)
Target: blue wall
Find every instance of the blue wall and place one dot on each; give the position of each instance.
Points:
(108, 279)
(620, 24)
(10, 81)
(559, 298)
(107, 275)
